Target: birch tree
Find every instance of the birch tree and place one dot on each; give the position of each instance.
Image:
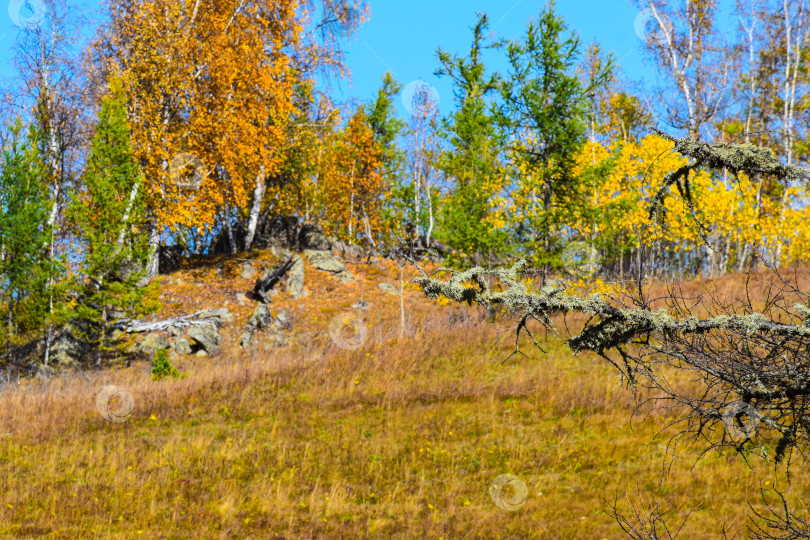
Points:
(689, 52)
(217, 81)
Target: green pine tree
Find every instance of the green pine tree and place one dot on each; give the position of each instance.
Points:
(472, 160)
(25, 262)
(387, 128)
(109, 215)
(545, 107)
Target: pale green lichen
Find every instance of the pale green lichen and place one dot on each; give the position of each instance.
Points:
(736, 158)
(779, 388)
(615, 326)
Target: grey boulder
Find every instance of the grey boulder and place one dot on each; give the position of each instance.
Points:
(152, 343)
(312, 238)
(182, 346)
(387, 288)
(295, 278)
(206, 336)
(248, 271)
(326, 261)
(264, 319)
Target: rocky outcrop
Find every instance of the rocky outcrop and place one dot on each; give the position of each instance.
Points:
(387, 288)
(345, 250)
(311, 237)
(69, 347)
(191, 333)
(326, 261)
(265, 319)
(295, 278)
(25, 357)
(285, 232)
(277, 231)
(182, 346)
(206, 337)
(169, 259)
(151, 344)
(421, 248)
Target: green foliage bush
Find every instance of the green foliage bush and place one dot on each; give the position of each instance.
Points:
(162, 366)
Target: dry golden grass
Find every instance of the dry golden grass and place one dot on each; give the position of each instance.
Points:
(399, 439)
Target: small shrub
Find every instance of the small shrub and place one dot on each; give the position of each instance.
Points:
(162, 366)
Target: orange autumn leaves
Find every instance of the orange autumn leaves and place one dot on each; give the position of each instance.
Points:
(339, 184)
(353, 183)
(202, 80)
(217, 81)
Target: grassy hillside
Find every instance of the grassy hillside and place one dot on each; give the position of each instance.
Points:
(399, 439)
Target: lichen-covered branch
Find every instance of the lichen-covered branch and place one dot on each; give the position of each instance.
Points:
(745, 157)
(749, 365)
(616, 326)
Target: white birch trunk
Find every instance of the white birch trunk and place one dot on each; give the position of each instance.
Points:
(152, 265)
(255, 210)
(430, 211)
(133, 194)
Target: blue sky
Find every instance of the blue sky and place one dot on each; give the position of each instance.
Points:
(401, 36)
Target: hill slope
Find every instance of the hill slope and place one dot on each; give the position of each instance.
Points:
(400, 438)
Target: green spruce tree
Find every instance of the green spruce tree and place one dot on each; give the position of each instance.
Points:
(545, 107)
(381, 116)
(110, 218)
(387, 129)
(25, 262)
(472, 160)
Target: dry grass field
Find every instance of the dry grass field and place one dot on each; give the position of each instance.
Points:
(398, 439)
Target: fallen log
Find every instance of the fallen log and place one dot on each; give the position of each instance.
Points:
(264, 284)
(183, 321)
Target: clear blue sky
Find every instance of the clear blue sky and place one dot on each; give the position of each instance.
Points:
(401, 36)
